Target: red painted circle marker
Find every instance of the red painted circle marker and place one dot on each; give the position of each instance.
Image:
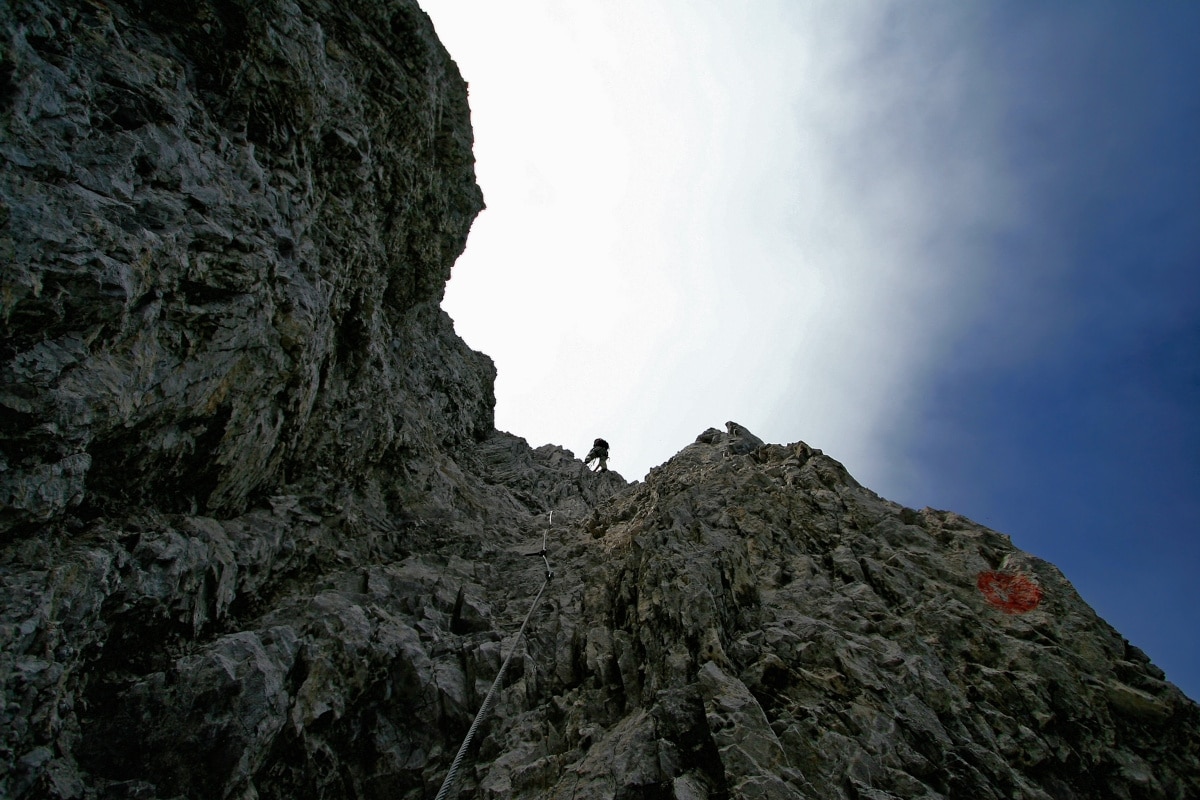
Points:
(1009, 592)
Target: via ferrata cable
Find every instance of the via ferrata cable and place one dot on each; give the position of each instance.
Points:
(452, 775)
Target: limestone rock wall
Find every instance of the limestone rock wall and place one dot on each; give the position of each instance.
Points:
(226, 230)
(754, 623)
(259, 539)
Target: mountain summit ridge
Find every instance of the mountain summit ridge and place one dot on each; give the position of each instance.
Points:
(260, 538)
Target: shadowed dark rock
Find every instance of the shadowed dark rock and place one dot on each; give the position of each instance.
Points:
(227, 228)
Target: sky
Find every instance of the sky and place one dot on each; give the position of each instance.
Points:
(954, 246)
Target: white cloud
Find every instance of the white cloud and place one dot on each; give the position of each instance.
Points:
(699, 212)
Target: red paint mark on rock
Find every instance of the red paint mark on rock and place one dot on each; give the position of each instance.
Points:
(1009, 592)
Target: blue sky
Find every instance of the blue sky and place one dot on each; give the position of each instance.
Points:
(1068, 413)
(955, 246)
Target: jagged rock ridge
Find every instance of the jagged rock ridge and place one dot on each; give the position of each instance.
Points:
(260, 538)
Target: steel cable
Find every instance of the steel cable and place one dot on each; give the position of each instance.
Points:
(452, 775)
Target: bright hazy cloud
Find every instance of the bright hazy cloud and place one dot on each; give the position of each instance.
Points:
(702, 212)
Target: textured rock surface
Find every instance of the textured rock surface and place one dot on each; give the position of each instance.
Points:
(226, 231)
(259, 539)
(840, 647)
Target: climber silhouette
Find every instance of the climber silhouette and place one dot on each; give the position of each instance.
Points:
(598, 452)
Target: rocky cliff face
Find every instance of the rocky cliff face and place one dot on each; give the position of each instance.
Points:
(259, 539)
(227, 229)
